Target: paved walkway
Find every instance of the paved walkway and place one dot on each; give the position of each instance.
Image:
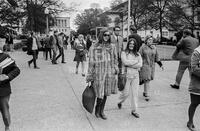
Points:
(49, 99)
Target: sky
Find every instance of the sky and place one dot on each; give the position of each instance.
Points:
(83, 4)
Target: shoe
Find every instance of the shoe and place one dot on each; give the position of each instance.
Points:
(119, 105)
(29, 64)
(103, 116)
(76, 72)
(147, 98)
(63, 62)
(191, 127)
(135, 114)
(53, 62)
(144, 94)
(83, 75)
(174, 86)
(36, 68)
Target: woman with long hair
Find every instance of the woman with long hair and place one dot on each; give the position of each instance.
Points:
(133, 62)
(102, 71)
(149, 55)
(80, 54)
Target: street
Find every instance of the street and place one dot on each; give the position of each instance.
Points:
(49, 99)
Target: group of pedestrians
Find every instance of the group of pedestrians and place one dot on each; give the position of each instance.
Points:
(51, 44)
(109, 57)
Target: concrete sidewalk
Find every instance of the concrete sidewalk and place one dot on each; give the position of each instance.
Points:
(49, 99)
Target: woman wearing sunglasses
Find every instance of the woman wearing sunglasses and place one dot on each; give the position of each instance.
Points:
(133, 62)
(149, 55)
(102, 71)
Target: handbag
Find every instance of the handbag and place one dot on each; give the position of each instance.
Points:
(121, 81)
(88, 98)
(180, 55)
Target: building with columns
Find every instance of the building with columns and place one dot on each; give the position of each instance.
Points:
(62, 24)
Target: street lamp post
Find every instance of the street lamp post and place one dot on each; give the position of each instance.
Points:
(46, 11)
(129, 15)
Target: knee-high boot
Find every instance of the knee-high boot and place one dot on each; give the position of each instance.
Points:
(97, 108)
(102, 115)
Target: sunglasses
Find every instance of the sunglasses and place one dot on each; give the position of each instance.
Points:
(106, 35)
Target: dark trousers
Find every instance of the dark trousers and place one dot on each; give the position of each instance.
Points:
(35, 56)
(48, 50)
(54, 55)
(4, 108)
(61, 53)
(181, 69)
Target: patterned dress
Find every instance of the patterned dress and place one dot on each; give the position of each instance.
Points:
(149, 56)
(103, 66)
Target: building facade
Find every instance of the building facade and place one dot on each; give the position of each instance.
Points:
(62, 24)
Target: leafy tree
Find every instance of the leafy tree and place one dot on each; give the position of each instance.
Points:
(9, 15)
(88, 20)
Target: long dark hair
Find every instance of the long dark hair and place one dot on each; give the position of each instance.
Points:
(100, 38)
(135, 48)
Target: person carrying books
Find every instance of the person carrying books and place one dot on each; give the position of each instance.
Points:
(8, 71)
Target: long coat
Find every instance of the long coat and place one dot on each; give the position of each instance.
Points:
(102, 70)
(149, 56)
(11, 71)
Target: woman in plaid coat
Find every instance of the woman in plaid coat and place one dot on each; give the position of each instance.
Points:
(102, 71)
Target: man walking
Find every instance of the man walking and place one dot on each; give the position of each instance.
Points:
(186, 47)
(117, 40)
(54, 45)
(8, 71)
(33, 47)
(61, 47)
(47, 47)
(9, 42)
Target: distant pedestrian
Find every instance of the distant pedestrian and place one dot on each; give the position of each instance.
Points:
(61, 47)
(72, 39)
(33, 47)
(186, 46)
(194, 87)
(9, 42)
(80, 54)
(47, 47)
(8, 71)
(88, 42)
(54, 46)
(102, 71)
(149, 55)
(133, 62)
